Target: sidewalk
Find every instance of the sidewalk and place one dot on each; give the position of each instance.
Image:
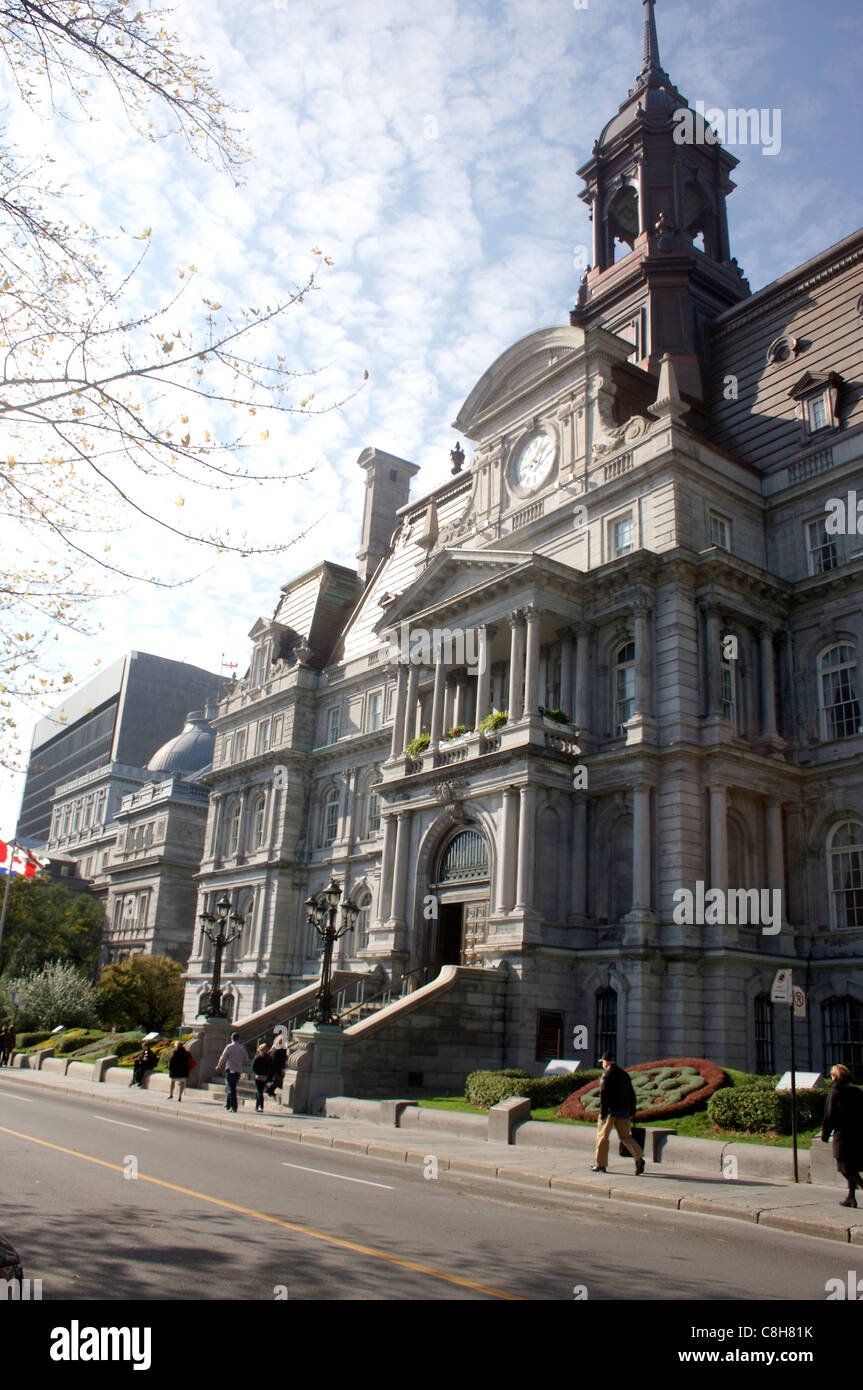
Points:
(553, 1175)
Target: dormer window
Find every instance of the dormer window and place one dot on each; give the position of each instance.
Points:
(817, 397)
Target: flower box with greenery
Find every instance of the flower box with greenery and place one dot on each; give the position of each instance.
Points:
(557, 716)
(456, 735)
(418, 745)
(494, 721)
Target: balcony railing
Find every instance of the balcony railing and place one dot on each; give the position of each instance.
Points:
(536, 731)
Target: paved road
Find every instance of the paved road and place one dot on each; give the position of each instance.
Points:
(215, 1215)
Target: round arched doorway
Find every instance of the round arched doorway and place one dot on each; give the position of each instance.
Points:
(460, 884)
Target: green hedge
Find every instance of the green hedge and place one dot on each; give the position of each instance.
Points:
(486, 1088)
(25, 1040)
(757, 1109)
(75, 1039)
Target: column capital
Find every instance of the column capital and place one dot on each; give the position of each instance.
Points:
(515, 618)
(532, 612)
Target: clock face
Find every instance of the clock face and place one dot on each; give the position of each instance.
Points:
(534, 463)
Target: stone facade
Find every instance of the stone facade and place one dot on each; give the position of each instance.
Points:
(638, 542)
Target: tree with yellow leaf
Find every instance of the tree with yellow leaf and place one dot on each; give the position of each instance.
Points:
(94, 398)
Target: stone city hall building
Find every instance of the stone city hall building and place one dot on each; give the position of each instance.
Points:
(638, 541)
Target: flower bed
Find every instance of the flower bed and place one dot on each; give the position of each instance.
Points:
(662, 1089)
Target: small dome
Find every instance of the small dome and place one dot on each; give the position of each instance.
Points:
(189, 751)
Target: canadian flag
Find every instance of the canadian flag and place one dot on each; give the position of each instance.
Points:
(15, 860)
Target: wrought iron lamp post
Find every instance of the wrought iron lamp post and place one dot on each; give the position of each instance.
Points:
(221, 937)
(322, 909)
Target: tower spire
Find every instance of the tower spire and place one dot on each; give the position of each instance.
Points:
(651, 67)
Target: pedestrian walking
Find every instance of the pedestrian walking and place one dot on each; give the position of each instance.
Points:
(262, 1070)
(843, 1118)
(617, 1106)
(178, 1069)
(235, 1060)
(9, 1044)
(4, 1048)
(279, 1058)
(145, 1061)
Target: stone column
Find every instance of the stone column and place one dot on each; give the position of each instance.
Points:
(713, 654)
(775, 850)
(387, 860)
(582, 681)
(718, 838)
(768, 689)
(242, 828)
(410, 706)
(483, 680)
(218, 806)
(400, 873)
(507, 855)
(460, 701)
(566, 673)
(578, 885)
(641, 864)
(531, 667)
(397, 745)
(643, 653)
(438, 699)
(526, 839)
(516, 666)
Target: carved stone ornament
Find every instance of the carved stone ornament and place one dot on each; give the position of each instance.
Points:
(634, 429)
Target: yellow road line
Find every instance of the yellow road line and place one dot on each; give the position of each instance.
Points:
(278, 1221)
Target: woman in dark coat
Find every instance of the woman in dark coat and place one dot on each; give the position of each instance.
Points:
(179, 1067)
(262, 1070)
(3, 1048)
(144, 1062)
(843, 1118)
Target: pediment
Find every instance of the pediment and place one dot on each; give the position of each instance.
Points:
(450, 573)
(519, 370)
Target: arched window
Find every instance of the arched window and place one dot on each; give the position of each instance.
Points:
(623, 219)
(234, 827)
(464, 858)
(331, 816)
(364, 903)
(840, 705)
(373, 817)
(845, 853)
(258, 812)
(764, 1060)
(842, 1030)
(605, 1031)
(624, 686)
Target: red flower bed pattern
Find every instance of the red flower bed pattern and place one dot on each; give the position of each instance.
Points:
(714, 1077)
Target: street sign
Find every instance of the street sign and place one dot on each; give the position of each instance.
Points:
(799, 1002)
(780, 992)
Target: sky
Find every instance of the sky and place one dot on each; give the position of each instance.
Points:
(429, 148)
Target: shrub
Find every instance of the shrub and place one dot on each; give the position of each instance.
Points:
(486, 1088)
(759, 1110)
(25, 1040)
(57, 994)
(418, 745)
(495, 720)
(126, 1046)
(664, 1089)
(75, 1039)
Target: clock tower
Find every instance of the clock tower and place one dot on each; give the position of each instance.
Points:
(656, 184)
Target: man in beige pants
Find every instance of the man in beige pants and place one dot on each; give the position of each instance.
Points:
(616, 1109)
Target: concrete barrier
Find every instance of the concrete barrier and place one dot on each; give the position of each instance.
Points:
(446, 1122)
(760, 1161)
(505, 1118)
(81, 1071)
(117, 1076)
(539, 1134)
(102, 1065)
(42, 1055)
(351, 1108)
(822, 1166)
(56, 1064)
